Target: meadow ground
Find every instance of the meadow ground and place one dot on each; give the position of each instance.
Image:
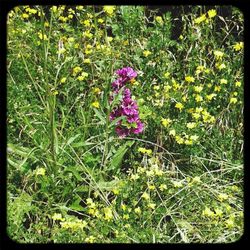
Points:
(120, 133)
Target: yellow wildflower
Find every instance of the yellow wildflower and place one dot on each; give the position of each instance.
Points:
(223, 81)
(57, 216)
(229, 223)
(198, 89)
(146, 53)
(96, 91)
(76, 70)
(25, 16)
(218, 212)
(86, 23)
(200, 19)
(198, 98)
(87, 60)
(172, 132)
(145, 196)
(212, 13)
(222, 197)
(159, 19)
(90, 239)
(233, 100)
(95, 104)
(108, 215)
(63, 80)
(137, 210)
(207, 212)
(152, 205)
(191, 125)
(166, 75)
(179, 106)
(100, 20)
(163, 187)
(238, 46)
(165, 122)
(108, 9)
(40, 171)
(194, 137)
(179, 140)
(218, 54)
(237, 84)
(210, 97)
(177, 184)
(189, 79)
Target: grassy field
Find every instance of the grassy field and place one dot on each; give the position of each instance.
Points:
(120, 133)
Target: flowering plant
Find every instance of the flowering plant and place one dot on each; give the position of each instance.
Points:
(127, 107)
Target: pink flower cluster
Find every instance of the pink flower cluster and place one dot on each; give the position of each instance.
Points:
(127, 107)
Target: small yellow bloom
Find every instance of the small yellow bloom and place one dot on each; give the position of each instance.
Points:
(151, 187)
(223, 81)
(108, 215)
(109, 9)
(96, 91)
(166, 75)
(218, 212)
(199, 98)
(229, 223)
(145, 196)
(217, 88)
(179, 106)
(194, 137)
(138, 210)
(237, 84)
(86, 23)
(146, 53)
(177, 184)
(233, 100)
(100, 20)
(87, 60)
(210, 97)
(90, 239)
(95, 104)
(63, 80)
(25, 16)
(159, 19)
(198, 89)
(57, 216)
(179, 139)
(125, 216)
(200, 19)
(172, 132)
(40, 171)
(207, 212)
(76, 70)
(165, 122)
(189, 79)
(222, 197)
(152, 205)
(212, 13)
(238, 46)
(163, 187)
(220, 66)
(218, 54)
(191, 125)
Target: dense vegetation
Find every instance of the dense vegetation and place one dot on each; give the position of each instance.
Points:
(170, 170)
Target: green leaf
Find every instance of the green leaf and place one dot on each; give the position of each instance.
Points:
(118, 156)
(76, 206)
(100, 116)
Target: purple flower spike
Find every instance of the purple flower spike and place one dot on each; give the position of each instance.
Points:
(126, 73)
(127, 107)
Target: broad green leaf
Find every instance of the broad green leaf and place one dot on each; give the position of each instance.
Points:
(100, 116)
(118, 156)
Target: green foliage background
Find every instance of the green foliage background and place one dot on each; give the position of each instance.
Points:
(71, 179)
